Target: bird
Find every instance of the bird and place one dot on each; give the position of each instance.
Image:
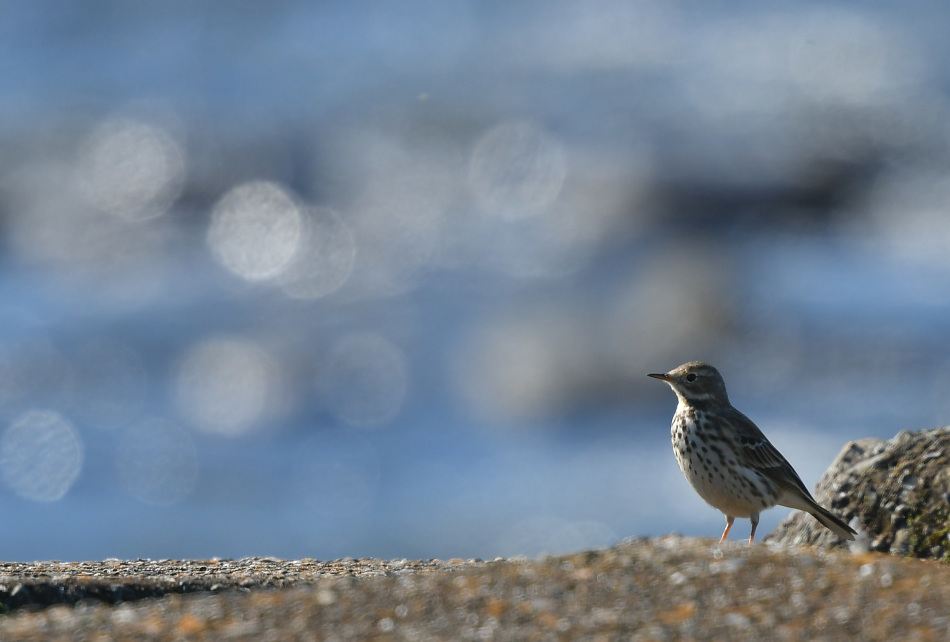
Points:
(727, 460)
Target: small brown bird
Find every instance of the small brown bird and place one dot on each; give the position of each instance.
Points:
(727, 459)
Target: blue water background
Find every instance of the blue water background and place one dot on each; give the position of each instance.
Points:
(541, 203)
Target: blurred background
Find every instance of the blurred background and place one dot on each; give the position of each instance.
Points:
(385, 279)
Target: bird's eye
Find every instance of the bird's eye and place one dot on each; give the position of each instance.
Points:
(691, 377)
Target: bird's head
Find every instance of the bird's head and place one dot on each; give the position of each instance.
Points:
(696, 382)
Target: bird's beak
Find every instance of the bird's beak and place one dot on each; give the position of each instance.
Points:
(661, 377)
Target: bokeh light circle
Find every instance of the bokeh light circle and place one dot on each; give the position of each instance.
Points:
(517, 170)
(255, 230)
(131, 169)
(41, 456)
(223, 384)
(324, 260)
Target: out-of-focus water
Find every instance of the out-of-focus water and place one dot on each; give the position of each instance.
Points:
(379, 279)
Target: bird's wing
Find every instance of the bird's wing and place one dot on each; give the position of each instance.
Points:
(758, 453)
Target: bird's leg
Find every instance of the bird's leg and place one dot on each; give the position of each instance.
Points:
(755, 522)
(729, 520)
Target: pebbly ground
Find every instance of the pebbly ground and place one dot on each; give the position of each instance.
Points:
(34, 586)
(661, 588)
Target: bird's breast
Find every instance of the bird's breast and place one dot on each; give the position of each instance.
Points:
(709, 463)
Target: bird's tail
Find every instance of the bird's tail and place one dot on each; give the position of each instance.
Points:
(802, 500)
(832, 522)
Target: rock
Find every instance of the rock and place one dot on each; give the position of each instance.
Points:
(895, 493)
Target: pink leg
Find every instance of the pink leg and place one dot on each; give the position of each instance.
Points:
(729, 520)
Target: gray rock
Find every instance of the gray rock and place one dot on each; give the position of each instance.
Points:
(896, 493)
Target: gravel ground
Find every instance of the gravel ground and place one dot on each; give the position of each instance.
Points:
(41, 584)
(655, 589)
